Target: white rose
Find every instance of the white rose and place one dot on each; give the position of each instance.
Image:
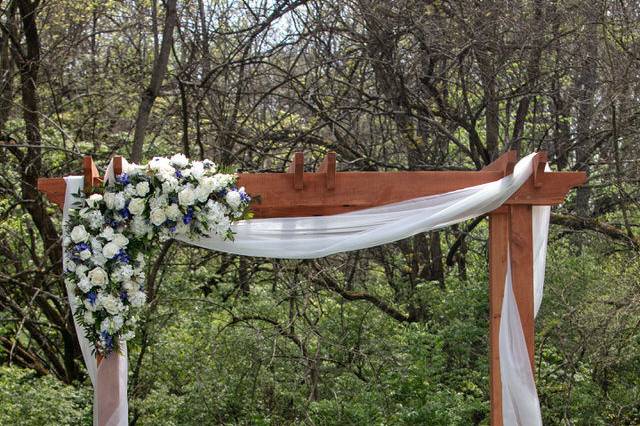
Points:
(130, 286)
(99, 259)
(70, 265)
(197, 169)
(111, 304)
(137, 299)
(129, 191)
(136, 206)
(142, 188)
(98, 276)
(179, 160)
(93, 200)
(79, 234)
(186, 197)
(172, 211)
(157, 216)
(110, 250)
(107, 233)
(81, 270)
(88, 318)
(233, 199)
(110, 200)
(120, 240)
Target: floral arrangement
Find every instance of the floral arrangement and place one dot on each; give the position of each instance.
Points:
(109, 232)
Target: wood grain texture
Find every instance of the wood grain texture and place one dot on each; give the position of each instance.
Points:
(498, 255)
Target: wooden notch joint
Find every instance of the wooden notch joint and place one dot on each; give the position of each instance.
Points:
(91, 175)
(328, 167)
(539, 163)
(296, 168)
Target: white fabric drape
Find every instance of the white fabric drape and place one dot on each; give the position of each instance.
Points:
(116, 405)
(311, 237)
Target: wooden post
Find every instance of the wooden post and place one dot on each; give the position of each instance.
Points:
(521, 244)
(498, 251)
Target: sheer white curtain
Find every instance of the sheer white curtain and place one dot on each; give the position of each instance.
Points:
(311, 237)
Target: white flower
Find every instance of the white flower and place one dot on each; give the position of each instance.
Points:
(120, 201)
(112, 304)
(99, 259)
(69, 265)
(93, 200)
(140, 226)
(197, 169)
(130, 286)
(84, 284)
(233, 199)
(88, 318)
(202, 193)
(85, 254)
(112, 325)
(142, 189)
(110, 250)
(79, 234)
(81, 271)
(92, 307)
(107, 233)
(173, 211)
(157, 216)
(122, 273)
(127, 336)
(136, 206)
(132, 169)
(95, 219)
(158, 202)
(129, 191)
(170, 184)
(179, 160)
(186, 197)
(137, 299)
(98, 276)
(110, 200)
(120, 240)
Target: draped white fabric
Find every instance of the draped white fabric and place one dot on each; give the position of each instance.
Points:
(312, 237)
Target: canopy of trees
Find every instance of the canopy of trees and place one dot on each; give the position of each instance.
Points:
(392, 335)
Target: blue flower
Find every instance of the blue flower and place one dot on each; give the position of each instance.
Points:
(80, 247)
(188, 217)
(123, 296)
(125, 213)
(122, 256)
(107, 341)
(178, 174)
(172, 228)
(245, 197)
(92, 296)
(123, 179)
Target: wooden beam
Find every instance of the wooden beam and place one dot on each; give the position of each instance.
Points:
(91, 175)
(504, 163)
(296, 168)
(521, 248)
(328, 167)
(498, 255)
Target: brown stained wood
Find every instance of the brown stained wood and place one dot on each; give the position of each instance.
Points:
(296, 168)
(91, 174)
(328, 167)
(504, 163)
(498, 255)
(539, 163)
(359, 190)
(521, 246)
(117, 165)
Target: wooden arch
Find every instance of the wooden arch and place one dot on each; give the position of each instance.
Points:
(326, 192)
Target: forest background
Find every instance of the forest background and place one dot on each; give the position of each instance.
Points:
(392, 335)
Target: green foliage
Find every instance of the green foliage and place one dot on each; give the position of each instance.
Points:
(29, 400)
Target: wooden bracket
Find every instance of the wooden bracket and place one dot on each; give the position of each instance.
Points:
(117, 165)
(328, 167)
(504, 163)
(539, 164)
(296, 168)
(91, 175)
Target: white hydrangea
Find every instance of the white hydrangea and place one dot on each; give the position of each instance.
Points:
(172, 211)
(137, 298)
(186, 196)
(120, 201)
(84, 284)
(233, 199)
(95, 219)
(110, 200)
(140, 226)
(179, 160)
